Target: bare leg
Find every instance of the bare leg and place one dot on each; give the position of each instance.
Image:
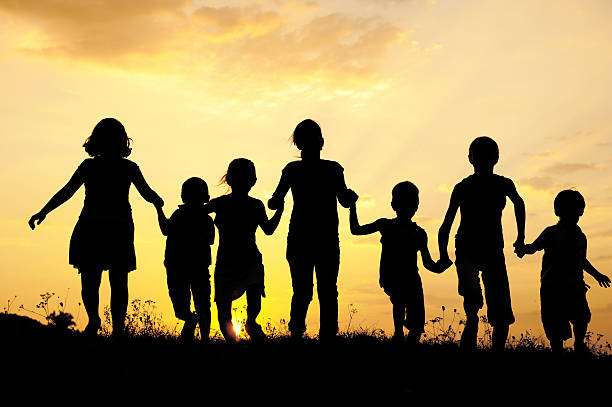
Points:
(399, 317)
(224, 311)
(253, 309)
(580, 330)
(500, 335)
(119, 299)
(90, 293)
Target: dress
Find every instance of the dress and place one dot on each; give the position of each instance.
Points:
(103, 237)
(239, 263)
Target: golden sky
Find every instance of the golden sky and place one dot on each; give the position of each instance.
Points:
(400, 88)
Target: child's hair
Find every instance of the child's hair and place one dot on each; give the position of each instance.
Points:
(484, 151)
(194, 190)
(569, 203)
(108, 138)
(405, 193)
(240, 172)
(307, 134)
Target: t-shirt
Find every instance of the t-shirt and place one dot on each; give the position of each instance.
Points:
(107, 185)
(237, 218)
(482, 198)
(191, 232)
(316, 187)
(564, 254)
(400, 245)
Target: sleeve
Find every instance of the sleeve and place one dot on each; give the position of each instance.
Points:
(543, 241)
(342, 192)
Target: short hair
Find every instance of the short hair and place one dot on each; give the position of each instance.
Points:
(406, 191)
(240, 171)
(108, 138)
(484, 150)
(569, 202)
(194, 189)
(307, 132)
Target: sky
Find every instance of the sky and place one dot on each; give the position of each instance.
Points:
(399, 87)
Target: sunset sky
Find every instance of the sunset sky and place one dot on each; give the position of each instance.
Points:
(399, 87)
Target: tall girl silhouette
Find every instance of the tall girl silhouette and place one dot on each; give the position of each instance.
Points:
(103, 238)
(312, 243)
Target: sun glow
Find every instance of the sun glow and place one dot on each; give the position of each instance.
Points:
(238, 325)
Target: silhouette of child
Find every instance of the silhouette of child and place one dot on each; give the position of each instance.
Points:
(103, 238)
(479, 243)
(190, 232)
(239, 267)
(401, 240)
(312, 243)
(563, 290)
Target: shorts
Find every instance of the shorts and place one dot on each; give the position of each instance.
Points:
(495, 280)
(561, 304)
(410, 295)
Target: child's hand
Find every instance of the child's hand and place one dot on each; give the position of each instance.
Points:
(159, 203)
(603, 280)
(519, 248)
(36, 220)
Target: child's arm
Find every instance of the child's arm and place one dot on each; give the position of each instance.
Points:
(164, 223)
(519, 213)
(278, 197)
(145, 190)
(60, 197)
(602, 279)
(444, 231)
(427, 260)
(269, 225)
(358, 229)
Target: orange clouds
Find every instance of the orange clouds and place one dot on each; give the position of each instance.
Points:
(291, 45)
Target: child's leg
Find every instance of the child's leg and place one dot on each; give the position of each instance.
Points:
(556, 345)
(302, 284)
(119, 298)
(399, 318)
(470, 290)
(90, 293)
(326, 270)
(500, 336)
(580, 330)
(254, 330)
(200, 289)
(224, 311)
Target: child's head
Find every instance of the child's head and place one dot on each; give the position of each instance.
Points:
(307, 136)
(108, 138)
(195, 191)
(240, 175)
(483, 153)
(569, 205)
(405, 199)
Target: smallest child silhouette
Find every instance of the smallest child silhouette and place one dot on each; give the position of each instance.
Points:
(401, 240)
(563, 290)
(191, 232)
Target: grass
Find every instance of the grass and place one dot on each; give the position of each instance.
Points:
(363, 364)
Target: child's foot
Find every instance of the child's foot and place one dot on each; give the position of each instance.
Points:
(188, 330)
(91, 330)
(255, 332)
(581, 349)
(397, 338)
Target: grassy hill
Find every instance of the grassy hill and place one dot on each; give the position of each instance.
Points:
(359, 367)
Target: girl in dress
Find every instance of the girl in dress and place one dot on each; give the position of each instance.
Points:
(103, 238)
(239, 266)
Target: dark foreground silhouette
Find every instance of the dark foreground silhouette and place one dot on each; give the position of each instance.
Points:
(41, 360)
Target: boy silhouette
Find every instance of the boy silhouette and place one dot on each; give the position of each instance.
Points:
(563, 290)
(401, 240)
(191, 232)
(479, 242)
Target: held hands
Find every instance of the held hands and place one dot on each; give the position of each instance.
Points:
(158, 202)
(519, 248)
(36, 220)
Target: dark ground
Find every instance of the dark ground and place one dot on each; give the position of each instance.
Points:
(40, 360)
